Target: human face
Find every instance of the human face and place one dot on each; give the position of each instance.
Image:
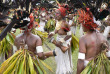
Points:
(93, 3)
(58, 15)
(43, 16)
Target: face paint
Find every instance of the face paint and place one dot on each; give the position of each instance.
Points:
(57, 14)
(43, 14)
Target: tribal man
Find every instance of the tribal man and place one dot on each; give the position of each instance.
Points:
(29, 41)
(90, 43)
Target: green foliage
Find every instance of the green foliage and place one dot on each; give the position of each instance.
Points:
(5, 44)
(37, 20)
(22, 63)
(99, 65)
(74, 43)
(50, 25)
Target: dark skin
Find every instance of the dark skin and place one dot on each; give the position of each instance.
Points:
(32, 41)
(60, 32)
(90, 45)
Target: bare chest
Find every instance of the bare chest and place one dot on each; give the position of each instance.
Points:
(29, 41)
(61, 32)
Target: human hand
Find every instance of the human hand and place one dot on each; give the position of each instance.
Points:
(50, 35)
(54, 41)
(45, 57)
(57, 43)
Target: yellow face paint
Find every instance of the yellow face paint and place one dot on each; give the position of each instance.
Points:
(58, 25)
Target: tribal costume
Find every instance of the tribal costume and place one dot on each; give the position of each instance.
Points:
(63, 60)
(99, 64)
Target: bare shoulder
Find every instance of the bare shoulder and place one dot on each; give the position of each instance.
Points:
(82, 44)
(36, 37)
(37, 40)
(82, 37)
(101, 36)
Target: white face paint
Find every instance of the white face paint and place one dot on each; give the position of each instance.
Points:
(43, 14)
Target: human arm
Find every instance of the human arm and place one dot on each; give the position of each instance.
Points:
(81, 55)
(61, 45)
(52, 33)
(50, 53)
(67, 37)
(43, 55)
(39, 49)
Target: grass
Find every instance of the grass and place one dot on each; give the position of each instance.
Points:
(50, 61)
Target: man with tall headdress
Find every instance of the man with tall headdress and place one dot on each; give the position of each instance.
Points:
(90, 44)
(30, 41)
